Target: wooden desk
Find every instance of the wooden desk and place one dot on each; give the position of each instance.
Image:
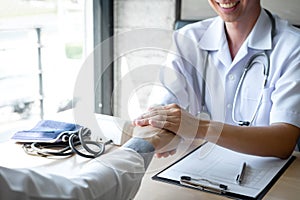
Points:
(286, 188)
(13, 156)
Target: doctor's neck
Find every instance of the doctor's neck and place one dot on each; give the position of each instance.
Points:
(238, 31)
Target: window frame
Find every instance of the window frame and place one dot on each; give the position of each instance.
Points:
(103, 30)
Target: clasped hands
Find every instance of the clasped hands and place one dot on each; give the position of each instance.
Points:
(166, 125)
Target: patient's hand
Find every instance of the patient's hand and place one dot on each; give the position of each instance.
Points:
(164, 141)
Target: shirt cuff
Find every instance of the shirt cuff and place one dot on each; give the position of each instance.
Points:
(143, 147)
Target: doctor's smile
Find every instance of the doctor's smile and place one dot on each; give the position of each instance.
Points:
(226, 6)
(229, 5)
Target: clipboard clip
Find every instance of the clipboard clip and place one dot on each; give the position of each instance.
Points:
(191, 182)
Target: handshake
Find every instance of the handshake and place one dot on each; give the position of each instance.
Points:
(164, 142)
(119, 131)
(162, 126)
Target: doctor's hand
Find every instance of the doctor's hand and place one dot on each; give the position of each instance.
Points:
(164, 142)
(172, 118)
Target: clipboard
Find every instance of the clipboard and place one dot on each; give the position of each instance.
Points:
(173, 173)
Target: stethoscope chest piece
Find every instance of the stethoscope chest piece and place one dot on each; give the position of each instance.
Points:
(203, 116)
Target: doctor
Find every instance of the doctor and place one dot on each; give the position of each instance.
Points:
(116, 175)
(236, 81)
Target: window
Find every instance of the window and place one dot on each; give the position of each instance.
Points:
(103, 56)
(43, 45)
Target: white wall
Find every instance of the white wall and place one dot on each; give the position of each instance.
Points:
(131, 15)
(196, 9)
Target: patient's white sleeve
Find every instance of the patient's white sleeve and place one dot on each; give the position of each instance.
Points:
(116, 175)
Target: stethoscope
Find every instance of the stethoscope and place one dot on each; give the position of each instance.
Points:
(73, 142)
(265, 61)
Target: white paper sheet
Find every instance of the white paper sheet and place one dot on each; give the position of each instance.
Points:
(221, 165)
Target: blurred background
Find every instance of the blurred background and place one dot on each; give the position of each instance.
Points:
(44, 43)
(41, 51)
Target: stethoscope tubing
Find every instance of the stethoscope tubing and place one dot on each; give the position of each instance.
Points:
(247, 67)
(74, 140)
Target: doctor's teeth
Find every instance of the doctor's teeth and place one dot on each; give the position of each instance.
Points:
(228, 5)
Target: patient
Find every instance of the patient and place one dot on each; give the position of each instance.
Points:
(115, 175)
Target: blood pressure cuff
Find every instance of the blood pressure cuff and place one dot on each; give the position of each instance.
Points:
(46, 131)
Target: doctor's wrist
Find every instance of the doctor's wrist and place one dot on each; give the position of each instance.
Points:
(203, 128)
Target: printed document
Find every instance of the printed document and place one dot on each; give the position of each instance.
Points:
(217, 164)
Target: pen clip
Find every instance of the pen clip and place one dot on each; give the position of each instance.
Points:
(190, 183)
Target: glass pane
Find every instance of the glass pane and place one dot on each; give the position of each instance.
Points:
(32, 81)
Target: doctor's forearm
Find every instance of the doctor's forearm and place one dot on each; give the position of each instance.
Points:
(277, 140)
